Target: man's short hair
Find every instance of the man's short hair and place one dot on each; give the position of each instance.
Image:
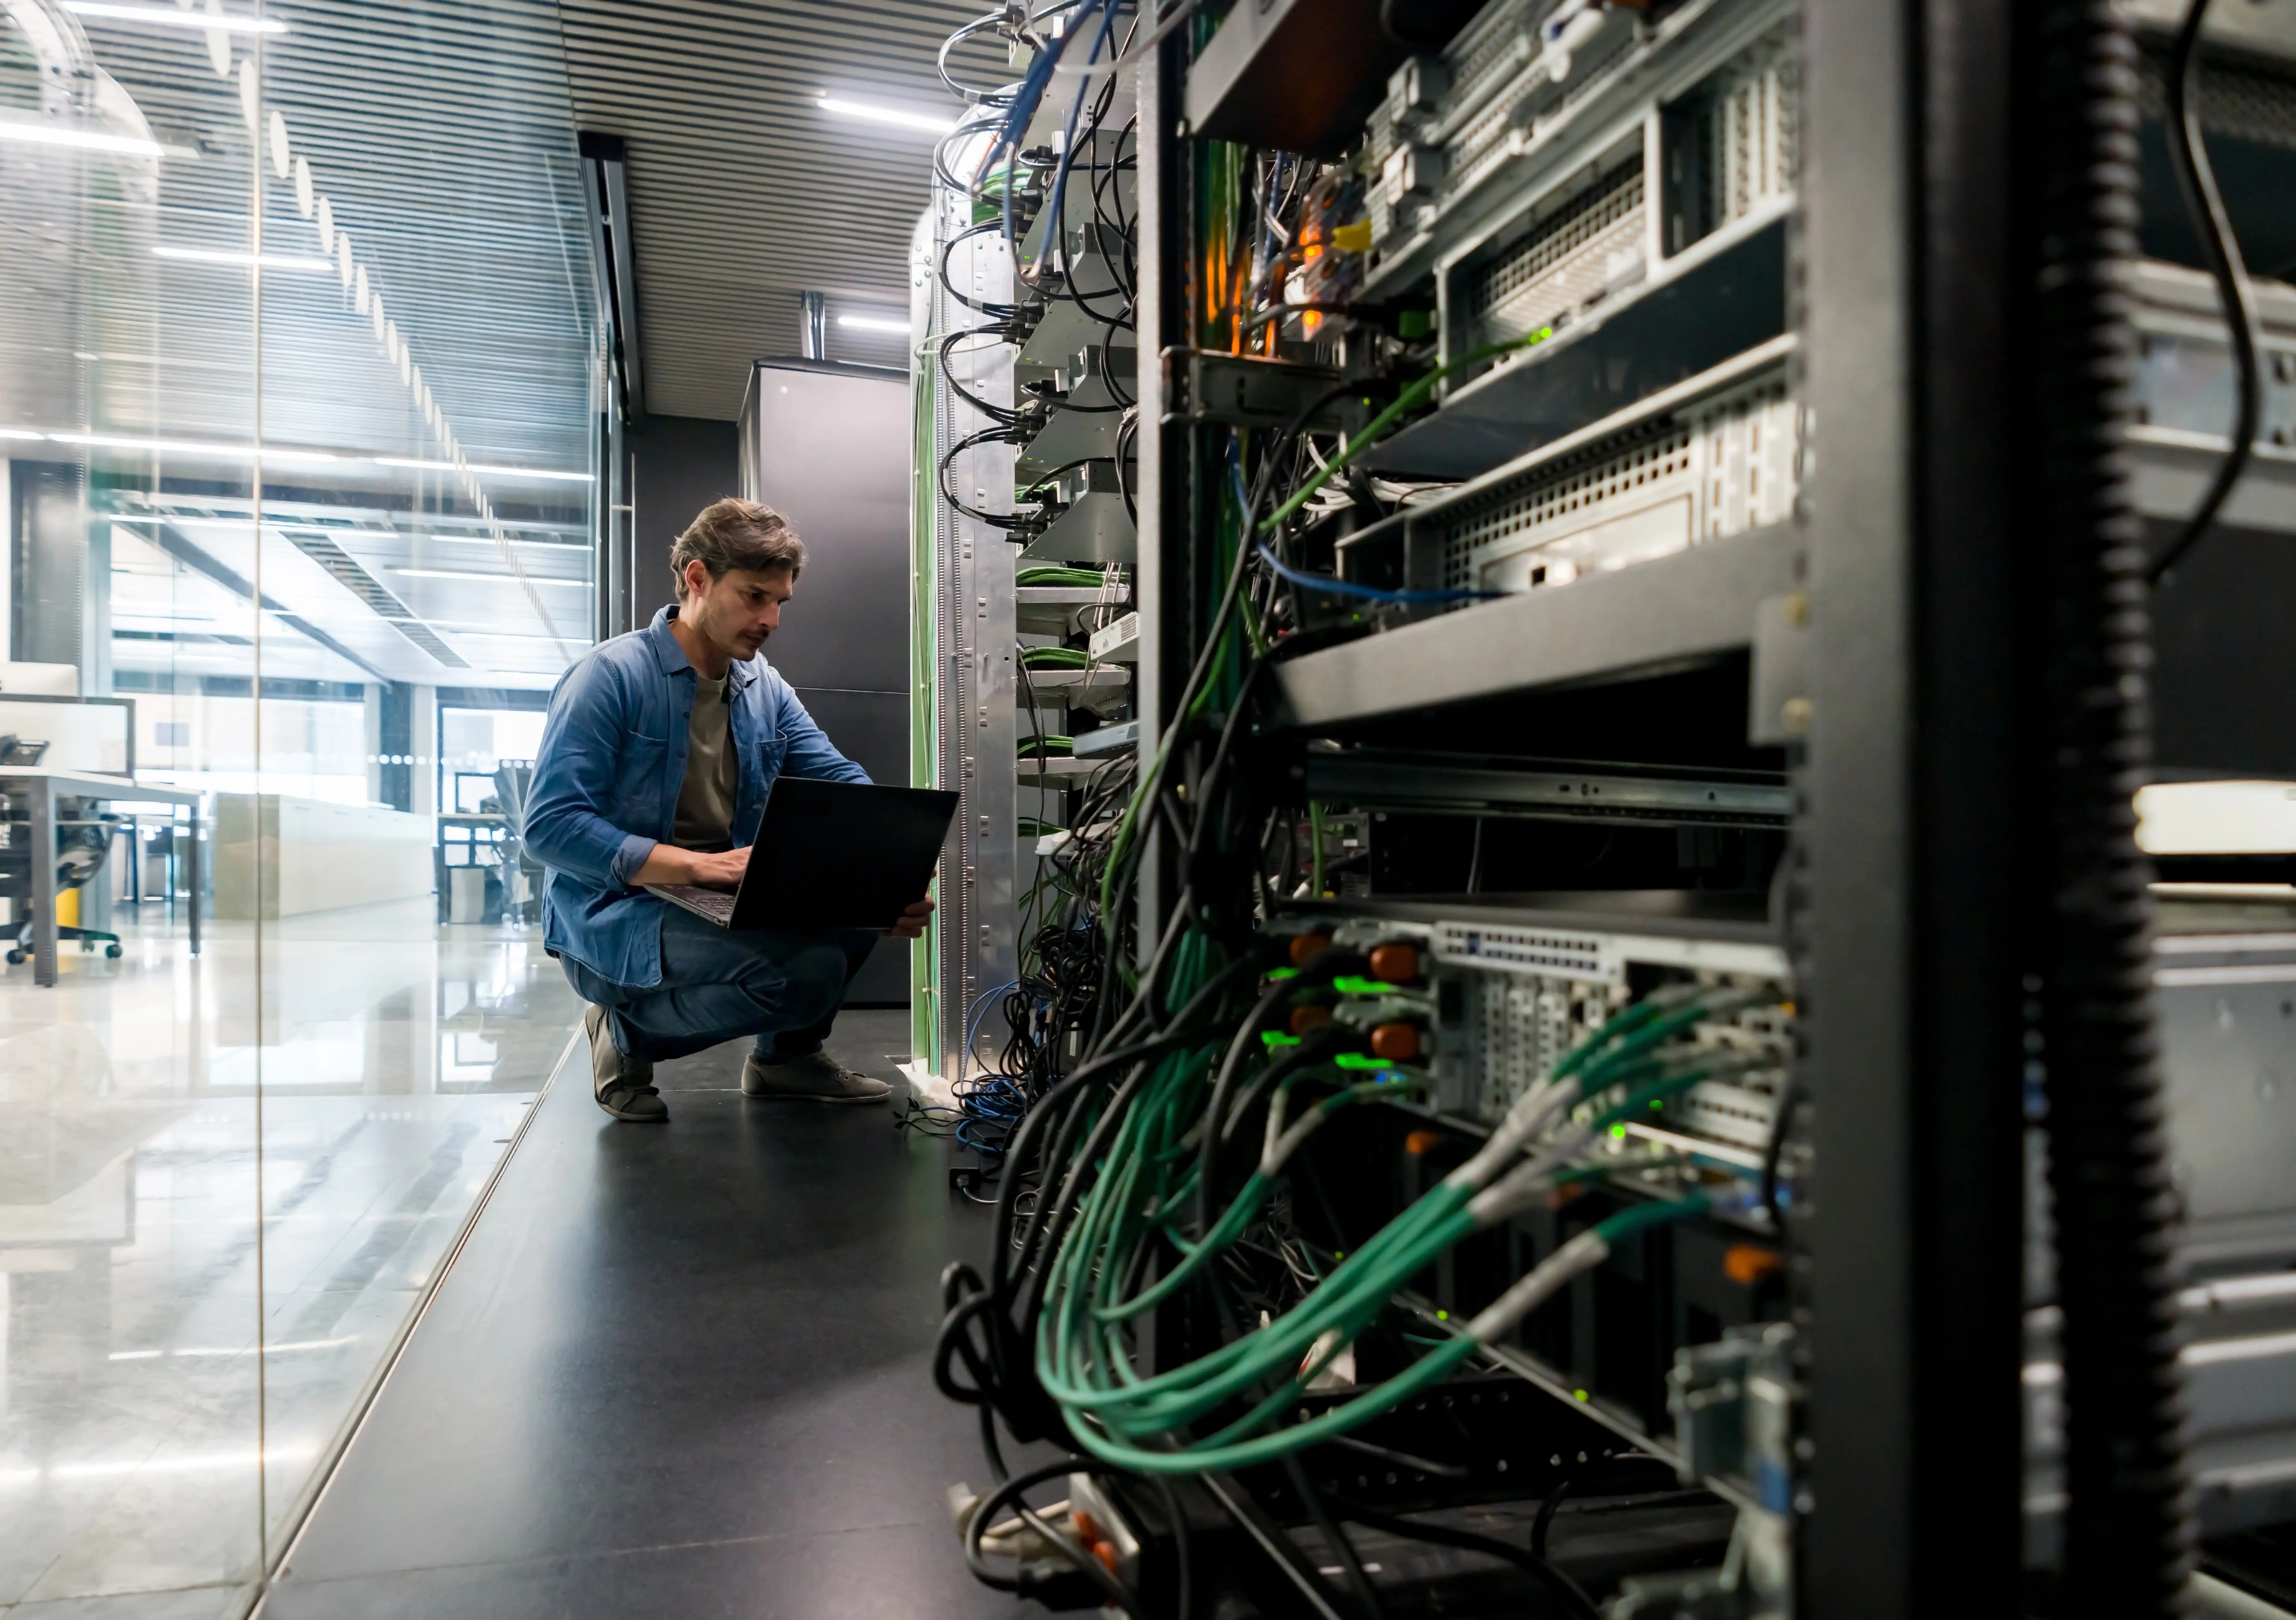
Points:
(737, 534)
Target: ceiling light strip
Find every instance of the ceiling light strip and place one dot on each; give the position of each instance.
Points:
(936, 123)
(359, 280)
(168, 16)
(276, 452)
(39, 132)
(234, 256)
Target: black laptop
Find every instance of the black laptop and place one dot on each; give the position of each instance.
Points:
(830, 855)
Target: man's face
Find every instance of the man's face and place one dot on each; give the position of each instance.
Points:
(739, 609)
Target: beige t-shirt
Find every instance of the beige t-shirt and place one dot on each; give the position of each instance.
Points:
(705, 799)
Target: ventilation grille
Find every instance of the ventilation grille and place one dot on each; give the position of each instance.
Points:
(1486, 138)
(1525, 99)
(367, 589)
(1521, 1025)
(1680, 481)
(2238, 102)
(1516, 1026)
(423, 636)
(1563, 264)
(1578, 955)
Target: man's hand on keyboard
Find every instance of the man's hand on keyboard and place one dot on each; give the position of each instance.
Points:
(670, 865)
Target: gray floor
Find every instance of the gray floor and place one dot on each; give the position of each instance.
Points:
(677, 1370)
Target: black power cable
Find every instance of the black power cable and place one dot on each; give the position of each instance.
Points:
(2204, 204)
(1572, 1596)
(1359, 1580)
(1545, 1522)
(1009, 1493)
(1774, 1150)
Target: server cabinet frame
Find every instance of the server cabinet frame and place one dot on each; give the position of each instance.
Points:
(1906, 831)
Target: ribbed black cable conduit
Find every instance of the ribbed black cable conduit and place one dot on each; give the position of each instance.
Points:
(2127, 1529)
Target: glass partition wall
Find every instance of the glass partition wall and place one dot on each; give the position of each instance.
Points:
(298, 362)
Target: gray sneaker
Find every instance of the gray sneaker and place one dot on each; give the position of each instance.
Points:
(815, 1078)
(622, 1084)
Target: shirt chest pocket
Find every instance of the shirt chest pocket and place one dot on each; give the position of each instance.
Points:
(643, 780)
(758, 739)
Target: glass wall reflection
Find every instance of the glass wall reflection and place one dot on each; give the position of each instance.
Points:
(296, 370)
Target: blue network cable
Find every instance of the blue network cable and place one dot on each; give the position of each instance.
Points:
(1336, 587)
(1369, 593)
(990, 1101)
(1055, 202)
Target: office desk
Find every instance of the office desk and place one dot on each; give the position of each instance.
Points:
(42, 787)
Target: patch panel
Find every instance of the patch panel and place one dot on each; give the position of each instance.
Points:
(1505, 1002)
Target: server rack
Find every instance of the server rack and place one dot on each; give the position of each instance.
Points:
(1965, 460)
(1017, 413)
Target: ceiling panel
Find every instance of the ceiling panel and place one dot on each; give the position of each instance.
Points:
(442, 137)
(743, 193)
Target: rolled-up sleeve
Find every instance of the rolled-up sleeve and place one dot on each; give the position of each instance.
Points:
(575, 773)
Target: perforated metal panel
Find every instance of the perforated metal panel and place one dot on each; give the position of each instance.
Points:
(977, 637)
(1564, 262)
(1578, 955)
(2238, 101)
(1701, 474)
(1516, 1026)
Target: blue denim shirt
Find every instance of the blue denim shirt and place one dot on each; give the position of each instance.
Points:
(606, 780)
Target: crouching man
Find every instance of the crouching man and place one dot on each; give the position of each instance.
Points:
(655, 761)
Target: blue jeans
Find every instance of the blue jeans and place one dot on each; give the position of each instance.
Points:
(718, 985)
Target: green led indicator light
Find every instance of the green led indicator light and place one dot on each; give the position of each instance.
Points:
(1282, 973)
(1618, 1133)
(1579, 1395)
(1442, 1316)
(1357, 1061)
(1350, 984)
(1275, 1038)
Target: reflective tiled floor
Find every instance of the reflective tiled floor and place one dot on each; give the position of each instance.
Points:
(363, 1070)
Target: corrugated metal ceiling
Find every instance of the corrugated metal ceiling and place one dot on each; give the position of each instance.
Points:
(744, 194)
(442, 135)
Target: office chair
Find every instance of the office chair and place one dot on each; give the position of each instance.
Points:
(513, 782)
(82, 846)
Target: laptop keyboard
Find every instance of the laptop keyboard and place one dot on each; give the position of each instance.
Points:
(715, 904)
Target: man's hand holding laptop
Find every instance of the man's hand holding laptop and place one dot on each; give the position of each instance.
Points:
(912, 925)
(723, 869)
